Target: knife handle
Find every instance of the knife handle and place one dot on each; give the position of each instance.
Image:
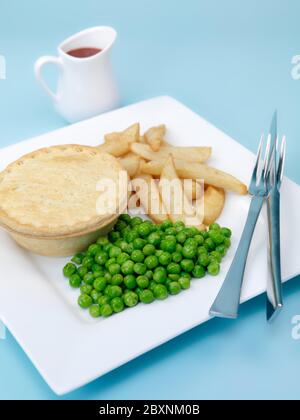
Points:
(227, 302)
(274, 287)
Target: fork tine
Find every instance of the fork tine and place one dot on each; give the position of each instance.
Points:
(267, 158)
(281, 161)
(258, 159)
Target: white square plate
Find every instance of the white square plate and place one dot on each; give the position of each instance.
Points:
(38, 306)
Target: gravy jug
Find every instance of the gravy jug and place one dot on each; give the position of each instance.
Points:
(86, 84)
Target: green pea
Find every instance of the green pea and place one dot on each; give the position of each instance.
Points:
(189, 232)
(185, 283)
(131, 236)
(135, 221)
(131, 299)
(160, 292)
(129, 249)
(165, 258)
(128, 268)
(214, 226)
(120, 225)
(103, 240)
(171, 231)
(174, 268)
(205, 235)
(114, 252)
(179, 224)
(115, 291)
(158, 253)
(152, 284)
(151, 262)
(189, 252)
(110, 262)
(95, 295)
(199, 239)
(125, 217)
(168, 245)
(86, 289)
(149, 274)
(204, 260)
(94, 249)
(106, 310)
(199, 272)
(149, 250)
(146, 296)
(77, 259)
(139, 243)
(166, 225)
(96, 268)
(95, 311)
(174, 277)
(142, 282)
(75, 281)
(107, 290)
(101, 258)
(117, 280)
(89, 278)
(191, 242)
(69, 270)
(123, 246)
(85, 301)
(174, 288)
(176, 257)
(213, 268)
(88, 262)
(145, 229)
(137, 256)
(140, 269)
(107, 247)
(82, 271)
(226, 232)
(202, 250)
(209, 244)
(179, 248)
(107, 277)
(117, 305)
(160, 275)
(114, 236)
(216, 256)
(181, 237)
(130, 282)
(221, 249)
(100, 284)
(187, 265)
(154, 238)
(217, 237)
(122, 258)
(103, 300)
(114, 269)
(227, 243)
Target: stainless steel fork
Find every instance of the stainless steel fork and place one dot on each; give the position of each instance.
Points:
(274, 181)
(227, 302)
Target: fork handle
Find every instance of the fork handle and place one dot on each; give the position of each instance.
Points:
(274, 289)
(227, 302)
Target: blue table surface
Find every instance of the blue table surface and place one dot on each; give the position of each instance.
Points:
(231, 63)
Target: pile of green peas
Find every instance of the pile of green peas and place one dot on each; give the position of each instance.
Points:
(140, 262)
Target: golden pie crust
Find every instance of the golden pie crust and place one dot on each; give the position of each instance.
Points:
(51, 193)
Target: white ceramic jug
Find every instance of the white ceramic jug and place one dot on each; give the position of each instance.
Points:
(86, 86)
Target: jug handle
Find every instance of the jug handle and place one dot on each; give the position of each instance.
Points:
(38, 72)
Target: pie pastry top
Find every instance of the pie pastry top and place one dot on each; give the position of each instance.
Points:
(53, 191)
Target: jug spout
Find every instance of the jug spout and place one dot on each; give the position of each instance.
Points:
(99, 37)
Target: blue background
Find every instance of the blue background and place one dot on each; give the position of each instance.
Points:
(230, 62)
